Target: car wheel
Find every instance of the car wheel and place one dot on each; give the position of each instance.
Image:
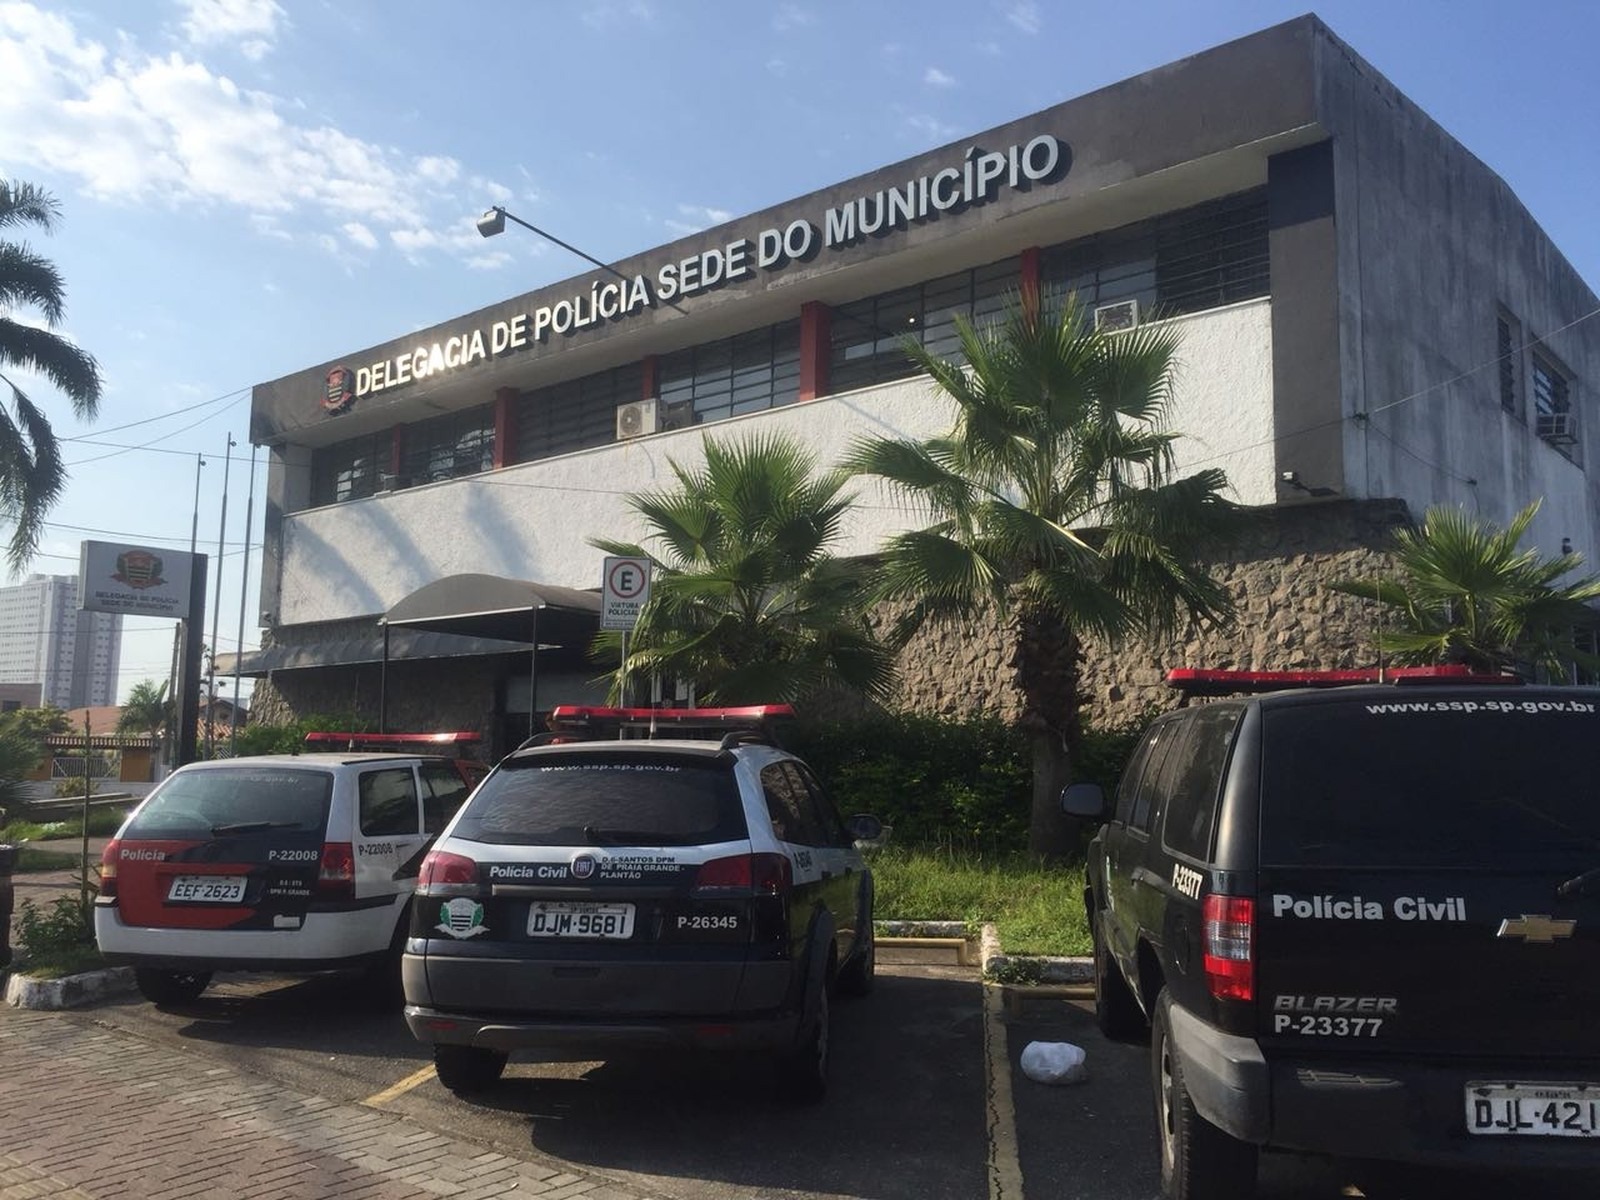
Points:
(378, 985)
(1198, 1160)
(170, 987)
(805, 1069)
(1115, 1009)
(856, 978)
(465, 1069)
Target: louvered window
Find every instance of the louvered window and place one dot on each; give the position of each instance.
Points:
(749, 372)
(449, 447)
(352, 469)
(1202, 257)
(868, 336)
(573, 415)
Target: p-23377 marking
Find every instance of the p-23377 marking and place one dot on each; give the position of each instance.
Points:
(1310, 1026)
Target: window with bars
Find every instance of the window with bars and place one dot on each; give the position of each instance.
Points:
(1202, 257)
(449, 447)
(352, 469)
(574, 415)
(1555, 421)
(1507, 340)
(746, 373)
(867, 336)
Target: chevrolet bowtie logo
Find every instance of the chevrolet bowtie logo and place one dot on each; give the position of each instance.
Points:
(1535, 927)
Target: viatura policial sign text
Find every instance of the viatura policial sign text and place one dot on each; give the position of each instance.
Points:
(980, 177)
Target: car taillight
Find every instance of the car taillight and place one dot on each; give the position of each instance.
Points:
(442, 869)
(108, 869)
(764, 874)
(336, 875)
(1229, 946)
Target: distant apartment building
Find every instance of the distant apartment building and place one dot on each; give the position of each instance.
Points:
(45, 640)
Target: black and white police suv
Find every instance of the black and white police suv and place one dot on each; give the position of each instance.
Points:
(641, 891)
(1360, 921)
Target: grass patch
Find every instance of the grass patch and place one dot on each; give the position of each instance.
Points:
(103, 822)
(56, 964)
(1038, 909)
(31, 858)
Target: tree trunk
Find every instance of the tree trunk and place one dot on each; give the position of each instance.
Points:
(1046, 662)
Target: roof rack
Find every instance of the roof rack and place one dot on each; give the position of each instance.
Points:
(1194, 681)
(735, 725)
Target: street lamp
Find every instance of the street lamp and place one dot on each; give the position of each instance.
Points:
(494, 222)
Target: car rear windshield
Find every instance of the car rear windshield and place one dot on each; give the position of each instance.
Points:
(236, 802)
(603, 800)
(1447, 782)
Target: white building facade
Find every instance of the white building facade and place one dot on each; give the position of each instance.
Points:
(45, 639)
(1371, 324)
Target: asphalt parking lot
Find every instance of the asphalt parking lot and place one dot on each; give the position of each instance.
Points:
(920, 1104)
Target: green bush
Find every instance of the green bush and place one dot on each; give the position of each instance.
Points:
(63, 926)
(963, 783)
(71, 789)
(291, 738)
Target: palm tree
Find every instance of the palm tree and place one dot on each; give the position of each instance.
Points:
(148, 709)
(1468, 595)
(31, 472)
(1051, 502)
(746, 599)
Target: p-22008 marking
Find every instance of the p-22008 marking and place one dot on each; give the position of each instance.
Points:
(293, 855)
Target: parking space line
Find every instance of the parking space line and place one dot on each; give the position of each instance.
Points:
(415, 1079)
(1005, 1166)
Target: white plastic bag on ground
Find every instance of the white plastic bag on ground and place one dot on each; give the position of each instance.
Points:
(1054, 1062)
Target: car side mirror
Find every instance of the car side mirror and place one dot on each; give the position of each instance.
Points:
(864, 827)
(1087, 800)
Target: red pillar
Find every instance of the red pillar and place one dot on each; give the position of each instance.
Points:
(505, 427)
(649, 377)
(816, 320)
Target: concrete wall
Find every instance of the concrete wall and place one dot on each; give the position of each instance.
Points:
(532, 521)
(1431, 243)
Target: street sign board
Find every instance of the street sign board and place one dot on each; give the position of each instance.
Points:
(138, 580)
(624, 587)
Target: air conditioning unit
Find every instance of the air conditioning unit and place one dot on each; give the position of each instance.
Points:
(1559, 429)
(677, 415)
(636, 419)
(1113, 318)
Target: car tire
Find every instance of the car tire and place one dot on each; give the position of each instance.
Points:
(467, 1069)
(805, 1068)
(857, 976)
(1115, 1010)
(161, 986)
(379, 985)
(1198, 1160)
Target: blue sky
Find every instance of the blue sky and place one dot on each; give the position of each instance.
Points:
(252, 187)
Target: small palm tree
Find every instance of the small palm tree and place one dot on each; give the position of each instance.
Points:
(147, 709)
(1466, 594)
(746, 599)
(31, 472)
(1053, 501)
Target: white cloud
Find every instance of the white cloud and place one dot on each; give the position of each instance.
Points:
(141, 129)
(1024, 15)
(777, 66)
(250, 25)
(360, 235)
(792, 16)
(934, 77)
(704, 215)
(604, 14)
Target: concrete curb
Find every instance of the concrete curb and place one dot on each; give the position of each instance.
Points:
(1029, 968)
(955, 929)
(70, 991)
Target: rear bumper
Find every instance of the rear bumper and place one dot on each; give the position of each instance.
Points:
(326, 941)
(587, 1009)
(565, 1039)
(1369, 1108)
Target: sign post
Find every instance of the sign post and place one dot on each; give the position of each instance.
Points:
(624, 589)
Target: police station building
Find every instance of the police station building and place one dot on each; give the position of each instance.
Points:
(1371, 323)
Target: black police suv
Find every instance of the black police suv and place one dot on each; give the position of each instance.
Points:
(1361, 921)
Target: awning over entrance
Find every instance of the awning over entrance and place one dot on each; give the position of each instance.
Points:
(491, 606)
(348, 652)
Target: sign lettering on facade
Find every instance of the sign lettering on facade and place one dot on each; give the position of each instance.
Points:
(143, 581)
(980, 176)
(624, 588)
